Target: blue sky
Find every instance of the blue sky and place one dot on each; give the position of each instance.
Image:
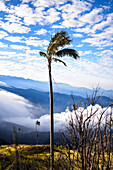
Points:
(26, 28)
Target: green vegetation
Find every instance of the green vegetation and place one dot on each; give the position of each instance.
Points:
(35, 157)
(30, 156)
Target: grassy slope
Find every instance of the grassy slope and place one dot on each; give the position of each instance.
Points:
(29, 156)
(33, 157)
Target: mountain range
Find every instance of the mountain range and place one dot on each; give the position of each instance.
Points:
(22, 83)
(37, 93)
(61, 101)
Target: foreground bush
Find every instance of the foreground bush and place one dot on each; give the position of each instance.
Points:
(90, 135)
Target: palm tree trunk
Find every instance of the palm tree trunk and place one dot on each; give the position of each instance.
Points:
(51, 119)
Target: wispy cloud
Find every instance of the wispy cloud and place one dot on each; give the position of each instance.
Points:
(107, 22)
(93, 17)
(3, 34)
(77, 35)
(19, 47)
(80, 45)
(2, 6)
(36, 43)
(14, 27)
(83, 53)
(27, 26)
(14, 38)
(2, 45)
(41, 32)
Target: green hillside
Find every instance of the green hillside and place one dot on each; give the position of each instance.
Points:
(29, 157)
(37, 157)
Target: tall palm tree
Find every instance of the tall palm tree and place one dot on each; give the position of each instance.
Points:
(54, 51)
(37, 123)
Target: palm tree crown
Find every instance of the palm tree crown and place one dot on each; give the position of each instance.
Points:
(54, 50)
(37, 123)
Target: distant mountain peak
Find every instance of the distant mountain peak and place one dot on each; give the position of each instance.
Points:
(64, 88)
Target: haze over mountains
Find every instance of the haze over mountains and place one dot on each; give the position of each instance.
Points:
(23, 101)
(19, 82)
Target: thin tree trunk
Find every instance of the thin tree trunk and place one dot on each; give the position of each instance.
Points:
(51, 119)
(16, 149)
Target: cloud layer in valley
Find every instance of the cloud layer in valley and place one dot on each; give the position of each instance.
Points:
(16, 109)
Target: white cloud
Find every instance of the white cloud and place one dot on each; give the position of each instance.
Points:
(14, 38)
(77, 35)
(68, 46)
(3, 34)
(105, 23)
(93, 17)
(7, 53)
(70, 15)
(36, 43)
(13, 105)
(80, 45)
(101, 25)
(86, 29)
(107, 34)
(106, 61)
(61, 120)
(13, 19)
(51, 16)
(2, 6)
(48, 3)
(102, 39)
(81, 15)
(57, 26)
(95, 42)
(27, 13)
(67, 23)
(32, 51)
(91, 0)
(18, 110)
(86, 73)
(32, 16)
(81, 70)
(41, 32)
(43, 3)
(23, 10)
(34, 66)
(19, 47)
(25, 1)
(83, 53)
(2, 45)
(106, 7)
(14, 27)
(68, 10)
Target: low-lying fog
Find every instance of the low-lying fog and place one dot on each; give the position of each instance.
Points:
(16, 109)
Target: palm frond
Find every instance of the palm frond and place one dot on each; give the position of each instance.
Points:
(60, 39)
(69, 52)
(58, 35)
(43, 54)
(37, 122)
(60, 61)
